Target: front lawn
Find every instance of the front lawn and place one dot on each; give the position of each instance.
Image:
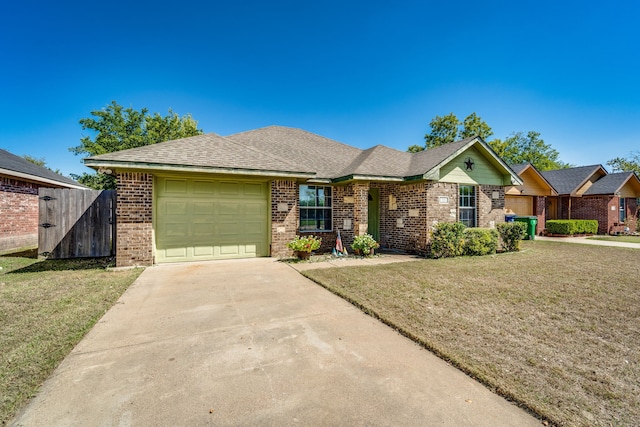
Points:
(46, 307)
(553, 327)
(627, 239)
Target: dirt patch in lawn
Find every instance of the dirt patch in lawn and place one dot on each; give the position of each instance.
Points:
(46, 307)
(553, 327)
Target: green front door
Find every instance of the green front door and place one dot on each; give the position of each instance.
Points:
(374, 213)
(202, 219)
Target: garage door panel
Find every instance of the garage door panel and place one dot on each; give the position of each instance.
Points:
(173, 253)
(174, 208)
(253, 228)
(203, 251)
(206, 219)
(230, 189)
(203, 208)
(226, 250)
(228, 208)
(175, 186)
(254, 209)
(253, 190)
(204, 187)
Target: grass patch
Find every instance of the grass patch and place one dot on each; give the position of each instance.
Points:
(46, 307)
(626, 239)
(553, 327)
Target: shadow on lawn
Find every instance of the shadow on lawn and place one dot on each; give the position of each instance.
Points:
(59, 264)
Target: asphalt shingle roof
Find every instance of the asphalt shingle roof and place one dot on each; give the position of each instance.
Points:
(566, 181)
(609, 184)
(14, 163)
(285, 149)
(208, 150)
(314, 153)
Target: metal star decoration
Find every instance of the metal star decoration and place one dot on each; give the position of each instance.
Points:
(469, 164)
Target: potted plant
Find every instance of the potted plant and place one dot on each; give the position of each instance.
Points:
(303, 246)
(364, 244)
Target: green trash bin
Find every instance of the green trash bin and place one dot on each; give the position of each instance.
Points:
(531, 222)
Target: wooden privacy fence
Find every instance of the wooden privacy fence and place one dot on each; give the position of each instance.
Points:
(76, 223)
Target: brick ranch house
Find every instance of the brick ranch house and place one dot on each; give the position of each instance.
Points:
(248, 194)
(19, 184)
(589, 192)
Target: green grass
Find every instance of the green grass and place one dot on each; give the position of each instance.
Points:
(627, 239)
(553, 327)
(46, 307)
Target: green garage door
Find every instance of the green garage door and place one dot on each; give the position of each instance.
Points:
(200, 219)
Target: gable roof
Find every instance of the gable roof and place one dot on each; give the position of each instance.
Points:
(568, 181)
(279, 150)
(19, 167)
(611, 184)
(522, 168)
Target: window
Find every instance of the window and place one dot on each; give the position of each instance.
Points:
(468, 205)
(623, 213)
(315, 208)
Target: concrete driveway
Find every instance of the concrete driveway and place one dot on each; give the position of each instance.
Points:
(251, 342)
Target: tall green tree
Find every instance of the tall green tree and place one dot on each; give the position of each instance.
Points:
(444, 130)
(630, 164)
(117, 128)
(529, 147)
(448, 128)
(473, 125)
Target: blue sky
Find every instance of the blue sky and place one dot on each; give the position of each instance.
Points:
(360, 72)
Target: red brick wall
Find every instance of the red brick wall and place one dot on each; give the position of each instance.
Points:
(490, 208)
(134, 219)
(540, 210)
(598, 208)
(284, 223)
(632, 214)
(399, 228)
(18, 214)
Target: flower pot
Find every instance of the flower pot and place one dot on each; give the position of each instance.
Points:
(303, 254)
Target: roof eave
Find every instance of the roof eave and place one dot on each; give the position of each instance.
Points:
(377, 178)
(161, 167)
(36, 178)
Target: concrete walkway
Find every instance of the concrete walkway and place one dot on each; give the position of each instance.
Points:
(587, 241)
(353, 261)
(252, 342)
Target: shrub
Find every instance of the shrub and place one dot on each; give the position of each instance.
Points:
(480, 241)
(511, 234)
(572, 226)
(305, 244)
(364, 244)
(447, 240)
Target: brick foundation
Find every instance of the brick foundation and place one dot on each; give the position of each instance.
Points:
(134, 219)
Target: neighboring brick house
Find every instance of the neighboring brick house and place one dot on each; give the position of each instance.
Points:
(19, 184)
(248, 194)
(589, 192)
(530, 198)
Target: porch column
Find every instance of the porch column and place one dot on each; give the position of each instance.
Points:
(360, 208)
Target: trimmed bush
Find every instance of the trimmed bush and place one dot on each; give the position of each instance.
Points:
(480, 241)
(511, 234)
(572, 226)
(447, 240)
